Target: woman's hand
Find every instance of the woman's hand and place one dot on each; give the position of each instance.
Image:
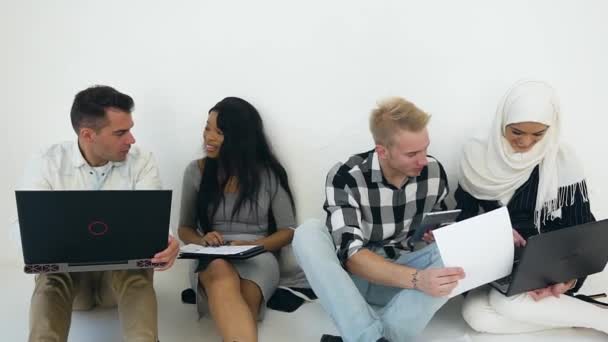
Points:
(241, 243)
(518, 240)
(212, 239)
(539, 294)
(554, 290)
(561, 288)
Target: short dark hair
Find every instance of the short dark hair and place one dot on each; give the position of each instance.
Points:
(90, 105)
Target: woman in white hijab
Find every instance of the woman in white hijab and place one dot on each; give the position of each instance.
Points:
(524, 165)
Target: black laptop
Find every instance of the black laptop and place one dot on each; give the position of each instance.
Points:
(76, 231)
(557, 257)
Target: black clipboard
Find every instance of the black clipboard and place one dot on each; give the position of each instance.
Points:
(253, 251)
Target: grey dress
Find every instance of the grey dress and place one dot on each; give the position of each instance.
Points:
(247, 224)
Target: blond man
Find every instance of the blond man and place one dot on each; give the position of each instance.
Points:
(361, 256)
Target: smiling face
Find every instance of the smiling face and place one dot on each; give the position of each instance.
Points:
(213, 137)
(522, 136)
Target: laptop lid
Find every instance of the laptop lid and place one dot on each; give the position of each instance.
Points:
(561, 255)
(92, 230)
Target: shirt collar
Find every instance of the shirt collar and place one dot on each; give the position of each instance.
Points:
(79, 161)
(375, 168)
(377, 176)
(77, 158)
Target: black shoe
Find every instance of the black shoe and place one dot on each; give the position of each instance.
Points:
(332, 338)
(189, 296)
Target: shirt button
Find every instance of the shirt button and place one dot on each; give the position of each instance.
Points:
(90, 172)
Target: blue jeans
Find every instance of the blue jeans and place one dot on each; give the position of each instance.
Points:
(401, 314)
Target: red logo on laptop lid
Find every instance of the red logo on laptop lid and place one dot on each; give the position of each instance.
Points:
(98, 228)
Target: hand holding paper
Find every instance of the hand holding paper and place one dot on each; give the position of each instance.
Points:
(482, 246)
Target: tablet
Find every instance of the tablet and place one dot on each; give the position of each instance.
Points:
(434, 220)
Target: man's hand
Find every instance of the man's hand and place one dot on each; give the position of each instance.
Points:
(554, 290)
(167, 257)
(213, 239)
(518, 240)
(428, 237)
(438, 282)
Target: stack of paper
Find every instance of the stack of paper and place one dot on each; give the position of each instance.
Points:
(220, 250)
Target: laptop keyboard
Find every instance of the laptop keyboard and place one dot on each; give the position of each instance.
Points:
(508, 279)
(505, 281)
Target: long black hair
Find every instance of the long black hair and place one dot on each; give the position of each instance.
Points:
(245, 155)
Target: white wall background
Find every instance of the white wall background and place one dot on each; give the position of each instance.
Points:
(313, 68)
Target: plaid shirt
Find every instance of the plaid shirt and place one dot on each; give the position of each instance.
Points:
(365, 211)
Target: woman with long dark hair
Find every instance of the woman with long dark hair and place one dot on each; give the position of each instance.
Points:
(239, 195)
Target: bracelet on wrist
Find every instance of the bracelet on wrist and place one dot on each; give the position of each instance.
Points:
(415, 279)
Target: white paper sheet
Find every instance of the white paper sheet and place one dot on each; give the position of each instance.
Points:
(482, 246)
(220, 250)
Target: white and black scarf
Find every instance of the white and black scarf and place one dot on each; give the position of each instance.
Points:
(492, 170)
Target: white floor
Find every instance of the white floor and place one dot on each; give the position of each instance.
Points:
(178, 322)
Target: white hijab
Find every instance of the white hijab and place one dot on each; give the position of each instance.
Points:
(492, 170)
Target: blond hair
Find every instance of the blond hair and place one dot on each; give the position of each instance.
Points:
(395, 113)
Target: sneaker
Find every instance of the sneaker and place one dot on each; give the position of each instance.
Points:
(464, 338)
(330, 338)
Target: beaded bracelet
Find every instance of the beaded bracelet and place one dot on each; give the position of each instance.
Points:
(415, 279)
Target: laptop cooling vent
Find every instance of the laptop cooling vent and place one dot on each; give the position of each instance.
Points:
(43, 268)
(148, 264)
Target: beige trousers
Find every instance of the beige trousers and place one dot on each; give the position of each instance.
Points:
(55, 295)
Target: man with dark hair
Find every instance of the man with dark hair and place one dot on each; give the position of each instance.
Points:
(102, 158)
(89, 107)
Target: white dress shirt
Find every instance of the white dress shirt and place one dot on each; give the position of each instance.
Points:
(62, 167)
